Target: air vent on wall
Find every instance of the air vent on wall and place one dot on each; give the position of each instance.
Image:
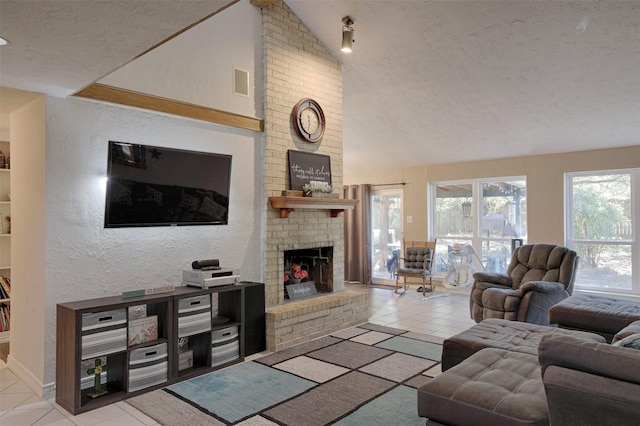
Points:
(240, 82)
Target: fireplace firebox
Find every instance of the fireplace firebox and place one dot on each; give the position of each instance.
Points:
(311, 265)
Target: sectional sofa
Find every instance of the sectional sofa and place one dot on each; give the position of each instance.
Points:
(503, 372)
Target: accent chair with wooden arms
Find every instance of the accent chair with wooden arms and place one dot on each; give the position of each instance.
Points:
(415, 262)
(538, 277)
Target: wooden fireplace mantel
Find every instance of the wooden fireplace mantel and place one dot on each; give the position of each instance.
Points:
(289, 204)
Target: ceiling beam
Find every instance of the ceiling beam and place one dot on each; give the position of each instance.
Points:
(262, 3)
(101, 92)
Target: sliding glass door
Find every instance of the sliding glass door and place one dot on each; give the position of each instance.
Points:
(386, 232)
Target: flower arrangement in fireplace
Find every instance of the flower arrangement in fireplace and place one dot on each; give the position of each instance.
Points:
(295, 272)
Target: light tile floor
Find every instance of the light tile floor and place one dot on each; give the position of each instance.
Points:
(437, 316)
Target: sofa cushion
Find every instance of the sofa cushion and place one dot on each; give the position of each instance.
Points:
(600, 314)
(632, 341)
(542, 262)
(633, 328)
(413, 271)
(492, 387)
(417, 258)
(503, 334)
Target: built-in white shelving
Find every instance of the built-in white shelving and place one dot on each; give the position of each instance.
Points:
(5, 231)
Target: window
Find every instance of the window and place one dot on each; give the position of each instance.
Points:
(488, 214)
(601, 217)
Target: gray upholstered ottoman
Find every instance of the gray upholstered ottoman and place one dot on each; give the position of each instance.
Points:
(492, 387)
(597, 314)
(503, 334)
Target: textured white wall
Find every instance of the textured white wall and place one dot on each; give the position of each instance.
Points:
(83, 259)
(72, 256)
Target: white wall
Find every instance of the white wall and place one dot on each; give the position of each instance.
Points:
(66, 254)
(28, 211)
(85, 260)
(4, 126)
(197, 66)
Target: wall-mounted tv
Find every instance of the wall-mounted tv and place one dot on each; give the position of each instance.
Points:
(155, 186)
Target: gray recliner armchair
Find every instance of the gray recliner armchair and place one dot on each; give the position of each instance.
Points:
(538, 277)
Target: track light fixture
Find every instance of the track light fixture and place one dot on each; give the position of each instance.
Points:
(347, 34)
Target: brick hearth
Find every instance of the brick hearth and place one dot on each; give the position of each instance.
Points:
(296, 322)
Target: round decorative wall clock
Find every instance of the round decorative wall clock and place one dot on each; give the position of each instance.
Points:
(308, 120)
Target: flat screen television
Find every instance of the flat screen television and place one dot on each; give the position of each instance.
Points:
(155, 186)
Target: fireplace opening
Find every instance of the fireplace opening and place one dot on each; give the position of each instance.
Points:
(313, 266)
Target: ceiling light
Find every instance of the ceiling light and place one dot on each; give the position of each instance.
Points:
(3, 41)
(347, 34)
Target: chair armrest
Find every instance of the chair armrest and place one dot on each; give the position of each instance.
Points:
(589, 383)
(537, 298)
(542, 287)
(493, 277)
(595, 358)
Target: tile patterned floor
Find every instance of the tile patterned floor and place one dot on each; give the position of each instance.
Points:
(439, 317)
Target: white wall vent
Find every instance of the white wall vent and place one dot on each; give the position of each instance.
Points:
(240, 82)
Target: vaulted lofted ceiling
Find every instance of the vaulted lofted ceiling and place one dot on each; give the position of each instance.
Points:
(449, 81)
(58, 47)
(428, 82)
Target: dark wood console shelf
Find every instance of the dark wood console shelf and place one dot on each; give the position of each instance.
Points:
(198, 331)
(289, 204)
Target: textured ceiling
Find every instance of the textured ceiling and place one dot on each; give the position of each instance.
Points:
(428, 82)
(448, 81)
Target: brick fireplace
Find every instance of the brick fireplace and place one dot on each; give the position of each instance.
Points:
(298, 66)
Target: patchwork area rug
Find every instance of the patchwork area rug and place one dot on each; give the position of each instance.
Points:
(362, 375)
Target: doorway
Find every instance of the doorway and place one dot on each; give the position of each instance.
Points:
(386, 233)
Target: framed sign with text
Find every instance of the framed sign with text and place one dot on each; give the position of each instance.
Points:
(300, 290)
(305, 167)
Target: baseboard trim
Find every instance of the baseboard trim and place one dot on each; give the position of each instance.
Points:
(42, 391)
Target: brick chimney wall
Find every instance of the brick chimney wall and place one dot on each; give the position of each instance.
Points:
(298, 66)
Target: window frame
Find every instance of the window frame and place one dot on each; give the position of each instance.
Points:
(634, 210)
(476, 239)
(376, 276)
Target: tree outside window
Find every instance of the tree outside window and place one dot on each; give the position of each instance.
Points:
(487, 213)
(601, 223)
